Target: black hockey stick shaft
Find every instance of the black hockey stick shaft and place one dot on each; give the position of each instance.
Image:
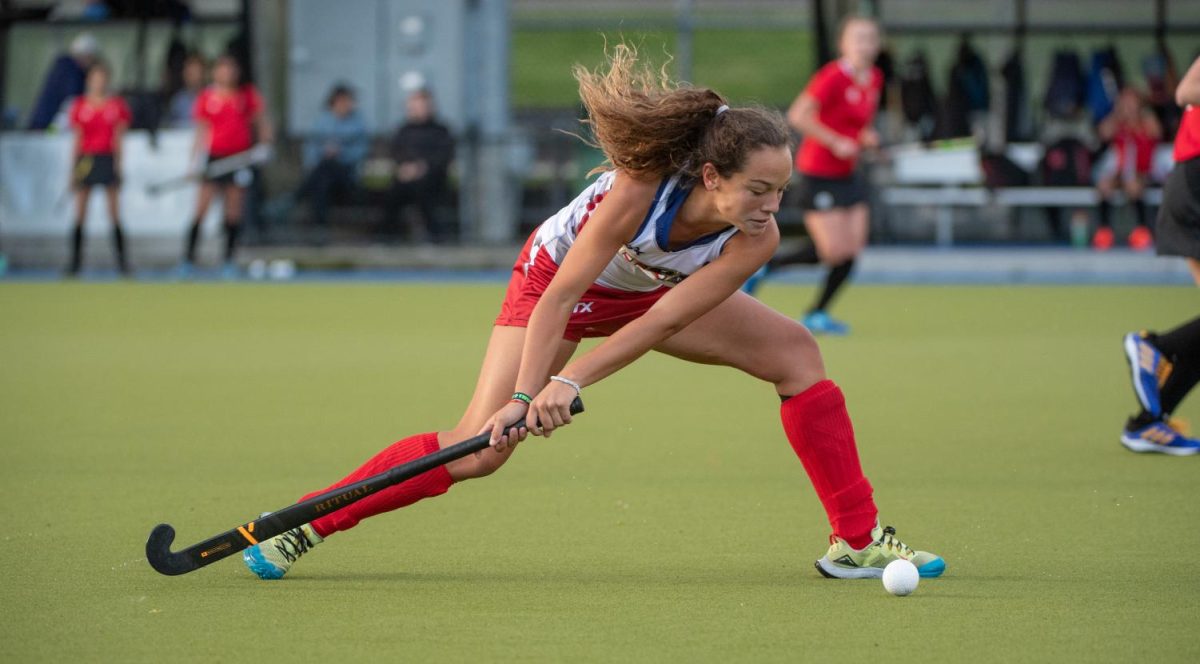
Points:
(165, 561)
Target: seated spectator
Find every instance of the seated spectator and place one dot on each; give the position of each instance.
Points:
(64, 81)
(333, 152)
(422, 150)
(1133, 131)
(181, 104)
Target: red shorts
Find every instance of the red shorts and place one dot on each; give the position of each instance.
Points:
(600, 311)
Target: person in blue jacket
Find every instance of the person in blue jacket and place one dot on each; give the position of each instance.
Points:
(65, 80)
(333, 152)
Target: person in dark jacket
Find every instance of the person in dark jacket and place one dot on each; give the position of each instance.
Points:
(64, 81)
(422, 149)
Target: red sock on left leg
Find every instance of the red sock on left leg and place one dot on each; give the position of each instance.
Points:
(818, 426)
(426, 485)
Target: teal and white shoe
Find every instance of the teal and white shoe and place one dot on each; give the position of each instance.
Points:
(842, 561)
(819, 322)
(273, 558)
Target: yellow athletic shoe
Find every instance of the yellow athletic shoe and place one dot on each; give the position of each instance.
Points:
(842, 561)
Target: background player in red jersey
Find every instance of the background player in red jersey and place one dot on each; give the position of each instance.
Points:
(228, 113)
(99, 120)
(1166, 365)
(1134, 131)
(834, 115)
(651, 255)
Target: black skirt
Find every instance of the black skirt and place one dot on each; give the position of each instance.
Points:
(1177, 232)
(96, 169)
(817, 193)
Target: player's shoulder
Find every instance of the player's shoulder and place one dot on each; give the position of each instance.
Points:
(624, 185)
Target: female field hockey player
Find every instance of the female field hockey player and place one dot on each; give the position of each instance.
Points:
(227, 115)
(100, 120)
(834, 115)
(1166, 366)
(651, 255)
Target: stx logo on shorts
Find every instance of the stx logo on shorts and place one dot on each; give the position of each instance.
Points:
(583, 308)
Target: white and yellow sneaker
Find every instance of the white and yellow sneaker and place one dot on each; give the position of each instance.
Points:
(271, 559)
(842, 561)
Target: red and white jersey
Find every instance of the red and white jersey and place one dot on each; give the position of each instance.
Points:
(644, 263)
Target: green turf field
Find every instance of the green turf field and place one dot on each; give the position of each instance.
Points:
(767, 67)
(667, 524)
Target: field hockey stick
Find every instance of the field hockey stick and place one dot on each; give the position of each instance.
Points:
(252, 157)
(165, 561)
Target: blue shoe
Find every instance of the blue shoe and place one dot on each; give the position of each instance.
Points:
(755, 279)
(819, 322)
(1150, 370)
(273, 558)
(1161, 438)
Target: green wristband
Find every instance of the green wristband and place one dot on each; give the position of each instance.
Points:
(521, 396)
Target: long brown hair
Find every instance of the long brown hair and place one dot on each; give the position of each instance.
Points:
(651, 127)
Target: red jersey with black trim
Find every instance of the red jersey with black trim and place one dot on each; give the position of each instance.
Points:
(230, 118)
(1187, 141)
(847, 106)
(97, 123)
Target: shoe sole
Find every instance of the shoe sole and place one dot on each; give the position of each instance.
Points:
(1141, 446)
(929, 570)
(1131, 356)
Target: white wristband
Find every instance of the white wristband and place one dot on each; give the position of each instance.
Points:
(568, 381)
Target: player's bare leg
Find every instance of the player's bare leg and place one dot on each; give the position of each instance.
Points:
(494, 387)
(745, 334)
(204, 199)
(840, 235)
(112, 195)
(81, 209)
(235, 200)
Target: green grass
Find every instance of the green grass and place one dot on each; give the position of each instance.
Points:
(670, 523)
(768, 67)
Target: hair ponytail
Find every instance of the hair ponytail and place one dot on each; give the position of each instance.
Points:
(650, 127)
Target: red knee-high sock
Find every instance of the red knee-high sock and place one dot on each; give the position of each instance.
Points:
(818, 427)
(426, 485)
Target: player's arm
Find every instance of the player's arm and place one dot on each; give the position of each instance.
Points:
(698, 294)
(609, 226)
(1188, 90)
(803, 116)
(264, 127)
(119, 130)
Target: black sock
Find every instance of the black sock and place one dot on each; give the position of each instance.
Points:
(192, 240)
(231, 234)
(805, 255)
(1181, 344)
(76, 248)
(1139, 206)
(1179, 383)
(833, 281)
(118, 239)
(1105, 220)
